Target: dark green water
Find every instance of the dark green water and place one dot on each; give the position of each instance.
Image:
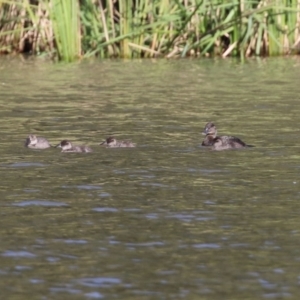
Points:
(168, 219)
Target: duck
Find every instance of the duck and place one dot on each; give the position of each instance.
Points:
(111, 142)
(220, 142)
(36, 142)
(67, 146)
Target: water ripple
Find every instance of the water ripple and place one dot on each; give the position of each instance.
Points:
(88, 187)
(17, 254)
(65, 290)
(40, 203)
(206, 246)
(82, 187)
(25, 165)
(103, 195)
(102, 282)
(149, 244)
(105, 209)
(94, 295)
(70, 241)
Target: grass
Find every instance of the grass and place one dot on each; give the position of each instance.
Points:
(70, 29)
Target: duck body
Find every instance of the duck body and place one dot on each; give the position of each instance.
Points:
(36, 142)
(228, 142)
(67, 146)
(111, 142)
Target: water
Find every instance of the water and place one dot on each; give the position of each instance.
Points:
(168, 219)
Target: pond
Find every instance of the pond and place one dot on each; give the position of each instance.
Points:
(168, 219)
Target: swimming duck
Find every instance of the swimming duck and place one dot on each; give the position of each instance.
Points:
(36, 142)
(69, 147)
(111, 142)
(220, 142)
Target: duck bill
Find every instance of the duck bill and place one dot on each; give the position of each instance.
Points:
(57, 146)
(103, 143)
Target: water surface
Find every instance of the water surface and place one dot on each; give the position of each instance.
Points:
(166, 220)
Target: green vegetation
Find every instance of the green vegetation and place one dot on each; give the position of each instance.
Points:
(70, 29)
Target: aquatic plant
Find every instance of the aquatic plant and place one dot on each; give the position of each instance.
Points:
(70, 29)
(64, 16)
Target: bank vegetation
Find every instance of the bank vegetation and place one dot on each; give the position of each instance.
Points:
(73, 29)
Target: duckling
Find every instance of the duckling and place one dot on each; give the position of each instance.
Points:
(111, 142)
(36, 142)
(69, 147)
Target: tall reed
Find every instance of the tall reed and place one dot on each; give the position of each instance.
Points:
(64, 15)
(70, 29)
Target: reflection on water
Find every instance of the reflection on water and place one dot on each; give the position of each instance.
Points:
(168, 219)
